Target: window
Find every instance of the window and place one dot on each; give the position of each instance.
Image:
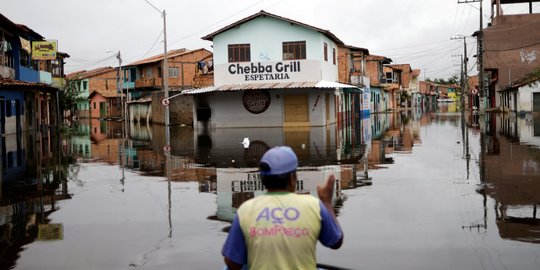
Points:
(334, 55)
(94, 105)
(325, 52)
(159, 72)
(149, 72)
(8, 108)
(85, 85)
(388, 77)
(24, 58)
(294, 50)
(173, 72)
(239, 53)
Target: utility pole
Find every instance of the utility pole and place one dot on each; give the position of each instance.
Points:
(119, 81)
(480, 55)
(166, 80)
(165, 71)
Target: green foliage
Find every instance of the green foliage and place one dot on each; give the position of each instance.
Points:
(450, 81)
(70, 95)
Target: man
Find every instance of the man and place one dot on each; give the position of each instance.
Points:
(280, 229)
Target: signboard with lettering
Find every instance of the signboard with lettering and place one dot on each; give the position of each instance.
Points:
(256, 101)
(44, 50)
(267, 72)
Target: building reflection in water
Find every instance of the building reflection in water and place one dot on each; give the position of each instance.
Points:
(33, 179)
(512, 174)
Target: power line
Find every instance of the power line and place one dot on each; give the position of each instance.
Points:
(155, 42)
(220, 21)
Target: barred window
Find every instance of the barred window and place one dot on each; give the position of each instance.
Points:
(294, 50)
(239, 53)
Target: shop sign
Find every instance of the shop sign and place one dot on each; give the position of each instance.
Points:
(256, 101)
(267, 72)
(44, 50)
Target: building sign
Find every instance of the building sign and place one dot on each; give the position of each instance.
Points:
(256, 101)
(44, 50)
(268, 72)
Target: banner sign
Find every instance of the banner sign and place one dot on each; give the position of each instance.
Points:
(44, 50)
(267, 72)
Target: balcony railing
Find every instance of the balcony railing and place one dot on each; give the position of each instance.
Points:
(152, 82)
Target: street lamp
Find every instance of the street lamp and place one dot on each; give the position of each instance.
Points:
(119, 85)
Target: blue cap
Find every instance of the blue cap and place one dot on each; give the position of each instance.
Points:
(280, 159)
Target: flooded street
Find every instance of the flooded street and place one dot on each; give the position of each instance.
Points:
(416, 190)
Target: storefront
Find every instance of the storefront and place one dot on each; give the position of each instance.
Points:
(293, 82)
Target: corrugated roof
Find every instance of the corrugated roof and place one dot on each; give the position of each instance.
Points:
(268, 86)
(402, 67)
(263, 13)
(373, 57)
(22, 85)
(159, 57)
(84, 74)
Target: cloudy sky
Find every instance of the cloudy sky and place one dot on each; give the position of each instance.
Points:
(417, 32)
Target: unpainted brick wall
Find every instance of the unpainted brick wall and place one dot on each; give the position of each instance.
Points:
(180, 109)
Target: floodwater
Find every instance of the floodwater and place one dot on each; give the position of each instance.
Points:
(416, 190)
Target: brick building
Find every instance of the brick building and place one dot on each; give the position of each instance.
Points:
(512, 54)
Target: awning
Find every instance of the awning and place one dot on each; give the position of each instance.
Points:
(272, 86)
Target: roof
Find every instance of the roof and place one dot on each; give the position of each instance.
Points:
(8, 84)
(493, 2)
(159, 57)
(18, 28)
(274, 86)
(105, 93)
(25, 29)
(353, 48)
(402, 67)
(525, 80)
(416, 72)
(263, 13)
(384, 59)
(85, 74)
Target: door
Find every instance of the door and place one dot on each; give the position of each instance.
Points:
(536, 102)
(102, 109)
(327, 107)
(296, 110)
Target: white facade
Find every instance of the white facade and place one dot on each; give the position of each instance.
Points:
(525, 97)
(266, 35)
(227, 108)
(268, 91)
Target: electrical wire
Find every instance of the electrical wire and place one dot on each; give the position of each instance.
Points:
(218, 22)
(155, 42)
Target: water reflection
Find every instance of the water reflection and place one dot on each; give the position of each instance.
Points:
(512, 175)
(32, 181)
(376, 159)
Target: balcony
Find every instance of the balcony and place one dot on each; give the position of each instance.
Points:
(45, 77)
(149, 83)
(28, 74)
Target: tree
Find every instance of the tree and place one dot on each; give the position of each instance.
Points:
(70, 95)
(452, 80)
